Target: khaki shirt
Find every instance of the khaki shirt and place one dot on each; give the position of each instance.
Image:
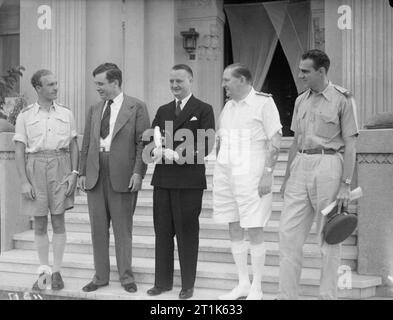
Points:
(41, 130)
(323, 120)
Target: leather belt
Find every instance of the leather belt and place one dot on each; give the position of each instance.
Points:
(318, 151)
(102, 149)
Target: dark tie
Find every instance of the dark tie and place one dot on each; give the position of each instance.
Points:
(105, 120)
(178, 109)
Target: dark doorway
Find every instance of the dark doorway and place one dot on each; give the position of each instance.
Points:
(279, 82)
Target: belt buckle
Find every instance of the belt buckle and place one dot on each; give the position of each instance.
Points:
(102, 149)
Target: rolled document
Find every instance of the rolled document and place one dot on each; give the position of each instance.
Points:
(157, 137)
(354, 195)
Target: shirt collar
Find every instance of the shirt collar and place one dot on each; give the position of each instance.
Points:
(249, 99)
(184, 101)
(327, 93)
(37, 107)
(119, 98)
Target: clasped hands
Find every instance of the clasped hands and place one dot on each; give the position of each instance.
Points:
(159, 152)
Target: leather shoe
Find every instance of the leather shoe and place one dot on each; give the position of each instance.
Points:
(91, 286)
(57, 281)
(130, 287)
(155, 291)
(186, 293)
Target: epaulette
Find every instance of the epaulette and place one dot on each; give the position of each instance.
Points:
(263, 94)
(27, 108)
(62, 105)
(343, 91)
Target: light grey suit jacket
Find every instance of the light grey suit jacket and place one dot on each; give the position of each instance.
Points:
(125, 156)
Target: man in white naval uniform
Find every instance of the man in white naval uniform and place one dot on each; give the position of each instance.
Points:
(249, 138)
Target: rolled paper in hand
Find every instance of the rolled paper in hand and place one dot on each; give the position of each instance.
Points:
(157, 137)
(354, 195)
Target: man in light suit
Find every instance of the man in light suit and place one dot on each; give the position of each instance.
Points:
(111, 172)
(179, 184)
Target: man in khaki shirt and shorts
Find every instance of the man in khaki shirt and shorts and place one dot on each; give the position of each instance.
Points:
(47, 156)
(319, 170)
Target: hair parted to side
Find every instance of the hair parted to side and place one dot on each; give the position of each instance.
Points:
(239, 69)
(183, 67)
(112, 72)
(319, 58)
(36, 78)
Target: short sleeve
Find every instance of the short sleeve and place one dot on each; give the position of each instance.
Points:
(349, 124)
(73, 126)
(20, 130)
(294, 127)
(271, 119)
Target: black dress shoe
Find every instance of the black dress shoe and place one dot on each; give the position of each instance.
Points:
(155, 291)
(91, 286)
(130, 287)
(57, 281)
(186, 293)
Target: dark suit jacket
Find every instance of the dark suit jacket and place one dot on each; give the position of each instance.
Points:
(185, 176)
(125, 156)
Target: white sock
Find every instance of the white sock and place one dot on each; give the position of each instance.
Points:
(42, 246)
(58, 243)
(258, 254)
(240, 254)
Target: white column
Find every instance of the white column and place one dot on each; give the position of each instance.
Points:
(207, 17)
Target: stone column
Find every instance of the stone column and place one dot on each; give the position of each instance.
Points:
(60, 48)
(11, 220)
(207, 17)
(375, 208)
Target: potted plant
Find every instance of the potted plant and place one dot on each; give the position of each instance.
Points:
(11, 102)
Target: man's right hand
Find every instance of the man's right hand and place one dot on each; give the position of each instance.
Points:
(82, 183)
(28, 191)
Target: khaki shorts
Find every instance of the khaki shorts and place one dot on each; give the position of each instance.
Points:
(46, 170)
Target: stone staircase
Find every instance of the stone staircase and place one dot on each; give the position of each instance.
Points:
(216, 272)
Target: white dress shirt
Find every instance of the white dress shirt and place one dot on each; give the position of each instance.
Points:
(184, 101)
(115, 108)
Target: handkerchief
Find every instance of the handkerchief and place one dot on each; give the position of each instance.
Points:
(193, 119)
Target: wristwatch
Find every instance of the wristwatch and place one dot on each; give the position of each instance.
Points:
(347, 181)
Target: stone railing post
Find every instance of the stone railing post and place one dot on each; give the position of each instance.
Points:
(11, 221)
(375, 211)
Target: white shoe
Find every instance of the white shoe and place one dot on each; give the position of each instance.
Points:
(236, 293)
(255, 295)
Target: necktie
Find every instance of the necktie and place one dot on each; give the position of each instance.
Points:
(178, 109)
(105, 120)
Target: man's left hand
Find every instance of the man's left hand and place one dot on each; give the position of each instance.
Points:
(343, 197)
(135, 183)
(265, 184)
(71, 181)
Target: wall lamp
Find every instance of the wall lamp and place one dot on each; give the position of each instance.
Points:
(190, 41)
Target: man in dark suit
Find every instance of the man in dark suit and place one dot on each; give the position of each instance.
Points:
(179, 180)
(111, 172)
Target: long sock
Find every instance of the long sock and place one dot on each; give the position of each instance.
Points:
(258, 253)
(42, 246)
(240, 254)
(58, 243)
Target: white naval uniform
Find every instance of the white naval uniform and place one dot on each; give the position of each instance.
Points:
(244, 129)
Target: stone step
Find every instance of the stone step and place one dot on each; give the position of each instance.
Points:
(210, 275)
(213, 250)
(209, 229)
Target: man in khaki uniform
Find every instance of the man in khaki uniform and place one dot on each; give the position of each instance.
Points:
(47, 156)
(320, 167)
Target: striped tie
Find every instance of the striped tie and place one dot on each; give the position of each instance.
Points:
(105, 120)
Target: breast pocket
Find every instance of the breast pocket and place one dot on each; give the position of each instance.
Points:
(34, 129)
(62, 126)
(327, 125)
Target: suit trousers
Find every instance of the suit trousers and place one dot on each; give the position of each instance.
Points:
(176, 212)
(313, 184)
(106, 205)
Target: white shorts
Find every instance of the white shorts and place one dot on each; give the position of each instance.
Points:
(236, 198)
